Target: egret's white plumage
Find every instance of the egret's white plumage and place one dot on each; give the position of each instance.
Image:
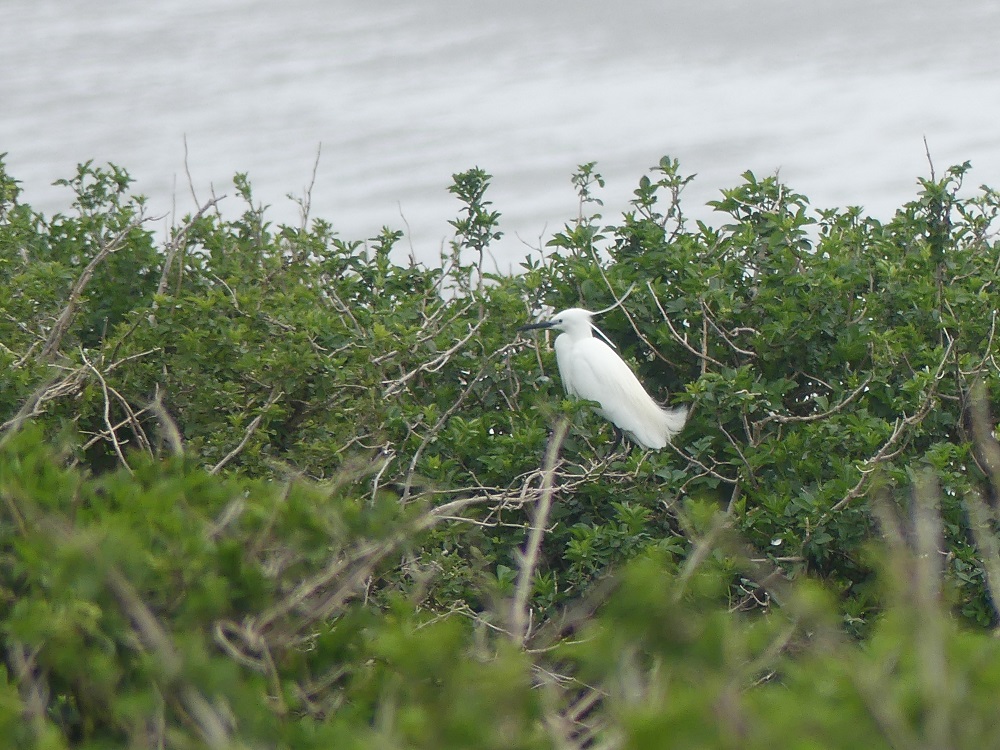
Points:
(590, 369)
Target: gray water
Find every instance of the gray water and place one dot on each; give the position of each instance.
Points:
(837, 96)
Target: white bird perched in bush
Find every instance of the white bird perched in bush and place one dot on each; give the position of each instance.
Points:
(590, 369)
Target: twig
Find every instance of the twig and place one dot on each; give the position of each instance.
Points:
(102, 435)
(306, 204)
(885, 453)
(529, 558)
(725, 337)
(619, 302)
(367, 553)
(395, 386)
(682, 340)
(170, 431)
(250, 430)
(314, 599)
(175, 243)
(66, 317)
(930, 161)
(32, 406)
(187, 171)
(107, 411)
(773, 417)
(708, 471)
(390, 455)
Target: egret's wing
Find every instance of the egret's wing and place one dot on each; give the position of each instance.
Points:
(599, 374)
(595, 372)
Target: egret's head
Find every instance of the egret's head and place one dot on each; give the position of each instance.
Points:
(567, 320)
(575, 321)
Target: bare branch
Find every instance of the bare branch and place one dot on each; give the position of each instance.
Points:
(529, 558)
(112, 437)
(70, 384)
(175, 243)
(69, 311)
(682, 340)
(395, 386)
(888, 451)
(839, 406)
(725, 337)
(447, 415)
(250, 430)
(306, 204)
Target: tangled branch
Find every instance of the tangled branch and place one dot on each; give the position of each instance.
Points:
(62, 323)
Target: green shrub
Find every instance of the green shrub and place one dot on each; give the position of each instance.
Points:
(266, 486)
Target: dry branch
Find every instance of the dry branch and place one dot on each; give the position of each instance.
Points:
(529, 558)
(69, 311)
(682, 340)
(68, 385)
(393, 387)
(888, 451)
(250, 430)
(780, 419)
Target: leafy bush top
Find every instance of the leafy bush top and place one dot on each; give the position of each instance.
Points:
(267, 486)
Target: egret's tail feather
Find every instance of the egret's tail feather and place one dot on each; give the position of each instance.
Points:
(659, 427)
(674, 420)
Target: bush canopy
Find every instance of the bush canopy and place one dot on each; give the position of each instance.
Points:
(264, 486)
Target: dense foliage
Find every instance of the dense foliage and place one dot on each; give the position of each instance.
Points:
(267, 487)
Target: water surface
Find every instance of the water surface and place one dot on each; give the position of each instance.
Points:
(837, 96)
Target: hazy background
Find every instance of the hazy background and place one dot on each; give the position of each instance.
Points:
(838, 95)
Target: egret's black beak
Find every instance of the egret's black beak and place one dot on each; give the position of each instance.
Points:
(534, 326)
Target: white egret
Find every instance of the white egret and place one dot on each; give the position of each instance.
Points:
(590, 369)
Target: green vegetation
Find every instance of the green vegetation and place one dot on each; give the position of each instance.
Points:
(263, 486)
